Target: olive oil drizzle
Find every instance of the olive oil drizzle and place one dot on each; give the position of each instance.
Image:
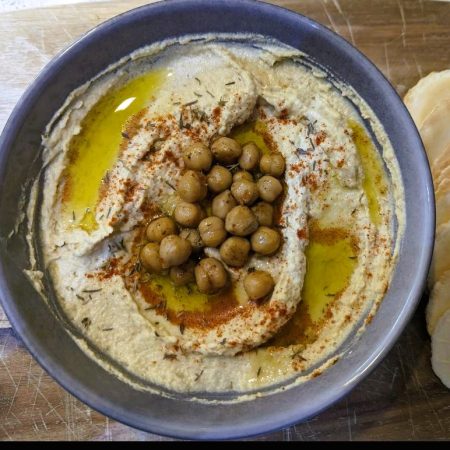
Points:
(94, 150)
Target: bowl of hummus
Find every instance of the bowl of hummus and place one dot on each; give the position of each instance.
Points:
(218, 218)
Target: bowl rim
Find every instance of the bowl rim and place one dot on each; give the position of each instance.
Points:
(75, 387)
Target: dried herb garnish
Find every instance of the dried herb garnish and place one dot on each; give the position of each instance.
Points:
(109, 212)
(193, 102)
(180, 122)
(297, 355)
(222, 102)
(156, 333)
(210, 93)
(230, 83)
(91, 291)
(170, 185)
(301, 151)
(352, 257)
(107, 329)
(197, 94)
(198, 81)
(80, 297)
(251, 270)
(182, 327)
(125, 135)
(223, 341)
(170, 356)
(86, 322)
(197, 377)
(259, 372)
(73, 216)
(330, 295)
(62, 245)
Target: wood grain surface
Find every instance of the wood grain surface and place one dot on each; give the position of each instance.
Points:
(401, 399)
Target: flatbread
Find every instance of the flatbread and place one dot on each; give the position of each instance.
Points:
(440, 164)
(441, 257)
(435, 130)
(442, 209)
(439, 302)
(440, 349)
(423, 97)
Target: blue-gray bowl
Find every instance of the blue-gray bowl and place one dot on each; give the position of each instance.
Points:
(46, 338)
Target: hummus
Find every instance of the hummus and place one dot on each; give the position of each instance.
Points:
(112, 156)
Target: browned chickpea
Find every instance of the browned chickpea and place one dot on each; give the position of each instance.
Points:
(219, 179)
(241, 221)
(222, 204)
(160, 228)
(210, 275)
(183, 274)
(264, 213)
(198, 157)
(188, 214)
(192, 186)
(226, 150)
(245, 192)
(250, 156)
(174, 251)
(149, 257)
(269, 188)
(258, 284)
(242, 175)
(272, 164)
(192, 235)
(212, 231)
(234, 251)
(265, 241)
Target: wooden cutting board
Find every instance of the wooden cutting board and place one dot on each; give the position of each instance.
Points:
(402, 398)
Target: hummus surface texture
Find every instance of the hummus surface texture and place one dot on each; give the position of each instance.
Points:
(112, 157)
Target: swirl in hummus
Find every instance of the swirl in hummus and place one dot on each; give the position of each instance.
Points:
(340, 216)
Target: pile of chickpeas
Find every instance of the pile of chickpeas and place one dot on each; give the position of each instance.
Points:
(240, 219)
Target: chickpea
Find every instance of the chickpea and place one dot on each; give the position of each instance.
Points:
(250, 156)
(192, 186)
(160, 228)
(210, 275)
(174, 251)
(234, 251)
(192, 235)
(149, 257)
(245, 192)
(265, 241)
(219, 179)
(241, 221)
(188, 214)
(258, 284)
(242, 175)
(222, 204)
(269, 188)
(272, 164)
(264, 213)
(198, 157)
(226, 150)
(212, 231)
(183, 274)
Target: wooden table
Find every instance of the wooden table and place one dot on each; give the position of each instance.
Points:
(402, 399)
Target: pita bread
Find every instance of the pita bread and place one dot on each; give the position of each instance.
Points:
(440, 349)
(435, 130)
(423, 97)
(441, 258)
(439, 302)
(442, 209)
(441, 163)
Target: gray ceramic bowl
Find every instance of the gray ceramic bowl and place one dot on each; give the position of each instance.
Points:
(45, 337)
